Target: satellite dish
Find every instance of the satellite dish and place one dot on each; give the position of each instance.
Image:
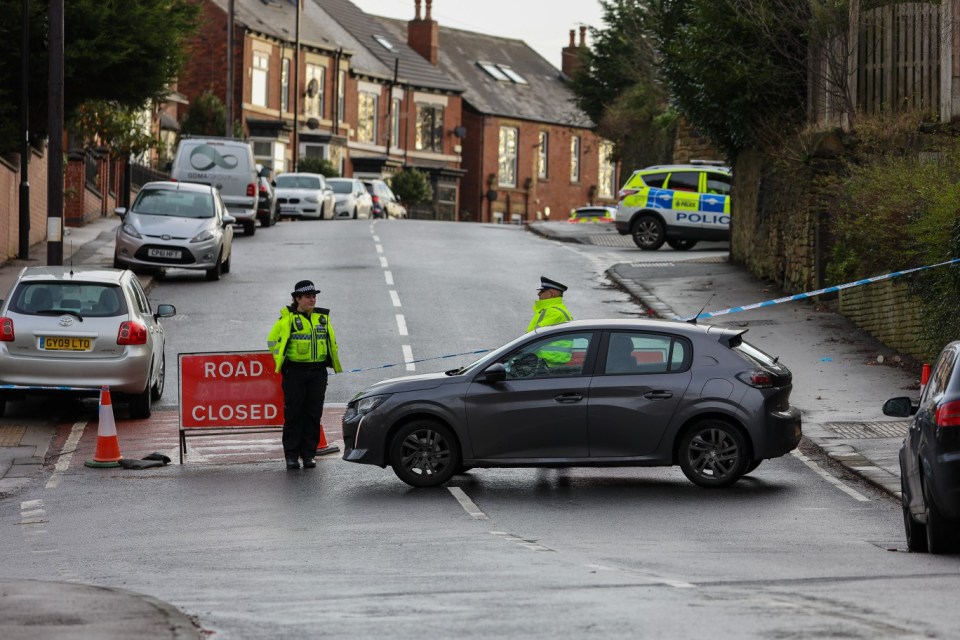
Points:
(460, 132)
(313, 87)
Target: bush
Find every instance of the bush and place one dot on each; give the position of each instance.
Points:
(413, 187)
(206, 116)
(317, 165)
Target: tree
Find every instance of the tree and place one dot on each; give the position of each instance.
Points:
(317, 165)
(617, 85)
(127, 52)
(412, 186)
(104, 124)
(206, 116)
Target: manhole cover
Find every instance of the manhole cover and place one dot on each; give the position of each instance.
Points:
(10, 436)
(869, 429)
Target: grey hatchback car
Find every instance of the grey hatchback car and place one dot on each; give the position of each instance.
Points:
(588, 393)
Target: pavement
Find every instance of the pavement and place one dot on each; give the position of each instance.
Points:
(841, 378)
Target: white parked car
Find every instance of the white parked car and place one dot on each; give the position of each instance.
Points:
(304, 195)
(82, 328)
(352, 198)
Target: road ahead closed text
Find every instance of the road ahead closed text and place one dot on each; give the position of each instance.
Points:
(224, 390)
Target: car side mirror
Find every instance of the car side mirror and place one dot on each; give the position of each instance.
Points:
(228, 220)
(165, 311)
(120, 211)
(494, 373)
(901, 407)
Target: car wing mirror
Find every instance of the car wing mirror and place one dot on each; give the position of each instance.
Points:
(165, 311)
(120, 211)
(228, 220)
(901, 407)
(494, 373)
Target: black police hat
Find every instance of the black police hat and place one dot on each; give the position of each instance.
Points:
(304, 287)
(547, 283)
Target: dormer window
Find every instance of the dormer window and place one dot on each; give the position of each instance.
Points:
(383, 42)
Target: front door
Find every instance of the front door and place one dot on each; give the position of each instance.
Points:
(540, 410)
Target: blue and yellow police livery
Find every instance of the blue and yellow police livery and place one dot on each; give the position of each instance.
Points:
(677, 204)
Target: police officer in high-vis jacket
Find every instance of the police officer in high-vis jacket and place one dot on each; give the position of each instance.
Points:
(549, 310)
(303, 346)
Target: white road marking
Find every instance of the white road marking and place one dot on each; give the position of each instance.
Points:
(389, 277)
(408, 357)
(829, 478)
(376, 238)
(63, 463)
(379, 248)
(467, 504)
(401, 325)
(670, 582)
(395, 298)
(383, 262)
(520, 542)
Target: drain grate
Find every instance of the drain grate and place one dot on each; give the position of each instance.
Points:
(869, 429)
(10, 436)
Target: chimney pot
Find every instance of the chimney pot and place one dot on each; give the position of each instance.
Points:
(573, 38)
(429, 5)
(417, 3)
(583, 32)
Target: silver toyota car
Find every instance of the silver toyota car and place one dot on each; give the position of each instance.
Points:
(588, 393)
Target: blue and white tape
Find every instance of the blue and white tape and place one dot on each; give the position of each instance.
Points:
(811, 294)
(398, 364)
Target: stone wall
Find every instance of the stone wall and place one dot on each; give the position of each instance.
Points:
(889, 312)
(690, 145)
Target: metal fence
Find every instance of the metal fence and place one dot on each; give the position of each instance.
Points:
(142, 174)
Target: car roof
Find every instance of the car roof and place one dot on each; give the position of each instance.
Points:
(304, 173)
(687, 167)
(673, 326)
(171, 185)
(69, 273)
(341, 179)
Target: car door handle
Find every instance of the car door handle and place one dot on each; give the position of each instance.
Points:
(569, 398)
(658, 395)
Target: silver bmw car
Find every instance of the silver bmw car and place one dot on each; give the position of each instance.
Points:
(587, 393)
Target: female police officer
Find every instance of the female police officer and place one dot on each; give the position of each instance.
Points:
(303, 346)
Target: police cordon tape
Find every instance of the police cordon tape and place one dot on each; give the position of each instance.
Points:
(811, 294)
(397, 364)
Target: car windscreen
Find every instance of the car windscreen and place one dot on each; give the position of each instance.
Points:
(341, 186)
(88, 299)
(297, 182)
(174, 203)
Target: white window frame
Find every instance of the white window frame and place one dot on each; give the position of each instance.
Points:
(395, 105)
(606, 171)
(259, 76)
(507, 156)
(436, 137)
(285, 85)
(575, 159)
(342, 96)
(543, 148)
(367, 123)
(314, 106)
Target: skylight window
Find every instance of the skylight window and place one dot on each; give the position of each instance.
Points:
(494, 71)
(383, 42)
(510, 73)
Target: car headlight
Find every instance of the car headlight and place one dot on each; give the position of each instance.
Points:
(311, 199)
(203, 236)
(130, 231)
(368, 404)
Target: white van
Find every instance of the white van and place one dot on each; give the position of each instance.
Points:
(228, 165)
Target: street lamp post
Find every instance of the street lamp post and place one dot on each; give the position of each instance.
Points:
(55, 149)
(24, 222)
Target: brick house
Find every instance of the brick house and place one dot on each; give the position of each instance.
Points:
(529, 153)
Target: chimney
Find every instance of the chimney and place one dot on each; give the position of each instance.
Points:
(571, 54)
(423, 34)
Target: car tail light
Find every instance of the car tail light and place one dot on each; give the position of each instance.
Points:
(623, 193)
(251, 189)
(6, 329)
(263, 189)
(132, 333)
(376, 199)
(757, 378)
(947, 415)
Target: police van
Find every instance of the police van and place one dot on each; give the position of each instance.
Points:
(228, 165)
(679, 204)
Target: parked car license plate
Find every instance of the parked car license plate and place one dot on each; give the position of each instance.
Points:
(173, 254)
(288, 210)
(56, 343)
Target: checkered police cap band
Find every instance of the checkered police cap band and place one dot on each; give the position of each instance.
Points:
(304, 287)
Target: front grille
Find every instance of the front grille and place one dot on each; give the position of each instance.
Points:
(288, 200)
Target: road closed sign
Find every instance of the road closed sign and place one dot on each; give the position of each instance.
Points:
(229, 390)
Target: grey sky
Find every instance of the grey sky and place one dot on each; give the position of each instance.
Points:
(542, 24)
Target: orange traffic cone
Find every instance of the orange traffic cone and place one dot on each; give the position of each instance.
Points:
(323, 448)
(924, 377)
(108, 446)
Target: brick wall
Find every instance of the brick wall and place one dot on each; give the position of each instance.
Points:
(10, 203)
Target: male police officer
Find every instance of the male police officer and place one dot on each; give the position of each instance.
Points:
(303, 346)
(548, 309)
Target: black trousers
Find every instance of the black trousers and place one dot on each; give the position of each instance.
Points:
(303, 391)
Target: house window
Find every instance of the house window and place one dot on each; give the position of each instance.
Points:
(507, 174)
(429, 127)
(542, 156)
(313, 104)
(367, 117)
(341, 96)
(607, 174)
(395, 123)
(285, 85)
(575, 159)
(258, 83)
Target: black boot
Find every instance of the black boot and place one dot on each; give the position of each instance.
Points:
(293, 463)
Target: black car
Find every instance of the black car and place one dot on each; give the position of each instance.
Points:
(930, 458)
(266, 198)
(594, 393)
